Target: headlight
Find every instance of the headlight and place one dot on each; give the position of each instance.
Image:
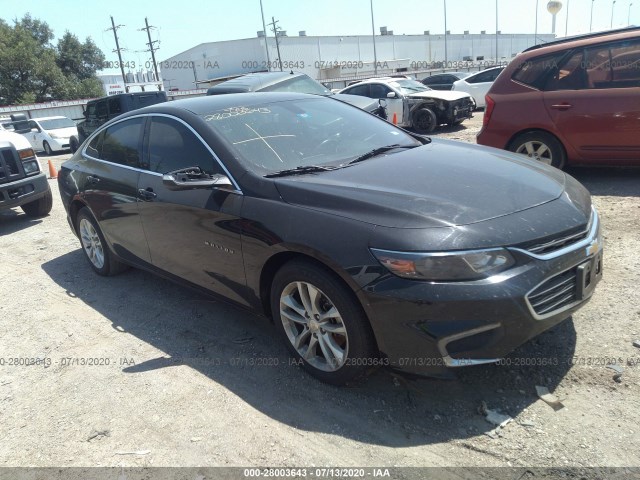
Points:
(445, 266)
(30, 166)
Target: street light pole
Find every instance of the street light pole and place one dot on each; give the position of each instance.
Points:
(591, 22)
(612, 8)
(566, 23)
(496, 32)
(373, 36)
(535, 35)
(446, 57)
(629, 15)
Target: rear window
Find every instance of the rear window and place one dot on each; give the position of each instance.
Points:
(535, 71)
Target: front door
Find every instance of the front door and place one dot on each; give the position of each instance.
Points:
(193, 234)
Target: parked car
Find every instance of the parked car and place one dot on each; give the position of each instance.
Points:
(573, 101)
(415, 105)
(101, 110)
(22, 183)
(443, 81)
(48, 134)
(295, 83)
(478, 84)
(365, 244)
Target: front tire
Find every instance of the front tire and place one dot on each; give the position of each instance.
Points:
(424, 121)
(40, 207)
(73, 144)
(94, 246)
(322, 323)
(540, 146)
(47, 148)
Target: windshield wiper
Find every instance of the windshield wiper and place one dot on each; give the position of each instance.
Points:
(302, 169)
(378, 151)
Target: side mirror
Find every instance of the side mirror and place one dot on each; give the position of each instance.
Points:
(194, 178)
(391, 95)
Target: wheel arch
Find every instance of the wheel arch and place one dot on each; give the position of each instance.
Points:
(74, 207)
(278, 260)
(538, 130)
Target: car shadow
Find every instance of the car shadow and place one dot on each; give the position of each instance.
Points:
(243, 353)
(608, 181)
(12, 221)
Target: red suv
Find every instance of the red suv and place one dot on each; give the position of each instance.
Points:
(574, 101)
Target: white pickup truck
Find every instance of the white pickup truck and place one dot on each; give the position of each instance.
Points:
(22, 182)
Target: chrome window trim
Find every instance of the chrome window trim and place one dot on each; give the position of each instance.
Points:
(237, 190)
(591, 236)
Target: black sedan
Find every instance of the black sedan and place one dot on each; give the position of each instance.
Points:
(444, 81)
(364, 244)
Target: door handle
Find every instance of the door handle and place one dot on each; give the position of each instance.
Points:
(93, 180)
(147, 194)
(561, 106)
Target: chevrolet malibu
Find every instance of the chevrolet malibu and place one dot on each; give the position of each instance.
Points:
(364, 244)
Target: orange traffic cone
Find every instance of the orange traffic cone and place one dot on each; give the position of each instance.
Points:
(52, 171)
(395, 118)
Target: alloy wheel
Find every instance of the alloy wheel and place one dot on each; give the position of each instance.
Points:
(314, 326)
(536, 150)
(91, 243)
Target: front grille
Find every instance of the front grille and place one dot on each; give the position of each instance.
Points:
(555, 294)
(9, 166)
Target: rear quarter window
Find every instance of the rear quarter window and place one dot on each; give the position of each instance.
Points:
(535, 71)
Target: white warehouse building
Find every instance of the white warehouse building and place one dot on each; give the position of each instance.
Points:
(340, 58)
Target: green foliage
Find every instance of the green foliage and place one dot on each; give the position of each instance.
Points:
(32, 69)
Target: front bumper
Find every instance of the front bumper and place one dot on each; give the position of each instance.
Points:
(426, 327)
(26, 190)
(57, 144)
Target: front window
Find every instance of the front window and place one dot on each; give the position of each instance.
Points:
(407, 87)
(56, 123)
(272, 137)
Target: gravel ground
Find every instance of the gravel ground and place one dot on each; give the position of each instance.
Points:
(146, 373)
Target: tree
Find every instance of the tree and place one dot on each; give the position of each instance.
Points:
(33, 70)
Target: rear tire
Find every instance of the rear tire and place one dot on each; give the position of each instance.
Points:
(540, 146)
(40, 207)
(47, 148)
(322, 323)
(424, 121)
(95, 247)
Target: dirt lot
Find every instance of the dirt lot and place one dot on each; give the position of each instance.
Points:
(174, 380)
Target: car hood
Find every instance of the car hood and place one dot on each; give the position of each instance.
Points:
(364, 103)
(441, 184)
(447, 95)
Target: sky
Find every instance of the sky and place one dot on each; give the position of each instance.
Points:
(180, 26)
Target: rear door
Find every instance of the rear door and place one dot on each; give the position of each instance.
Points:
(110, 169)
(593, 99)
(193, 234)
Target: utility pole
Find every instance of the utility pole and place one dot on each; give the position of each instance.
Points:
(275, 29)
(613, 5)
(115, 35)
(152, 49)
(535, 35)
(629, 15)
(266, 38)
(591, 21)
(566, 23)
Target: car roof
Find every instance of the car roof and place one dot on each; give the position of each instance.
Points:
(49, 118)
(210, 103)
(581, 41)
(252, 82)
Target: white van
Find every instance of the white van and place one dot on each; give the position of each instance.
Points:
(50, 134)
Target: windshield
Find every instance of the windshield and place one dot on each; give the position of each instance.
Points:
(301, 84)
(56, 123)
(410, 86)
(276, 136)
